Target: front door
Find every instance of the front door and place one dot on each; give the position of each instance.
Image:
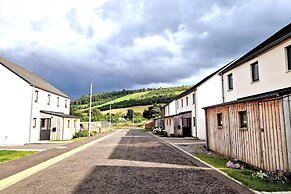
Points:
(45, 129)
(186, 127)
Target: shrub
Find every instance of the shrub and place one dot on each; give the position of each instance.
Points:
(84, 133)
(269, 177)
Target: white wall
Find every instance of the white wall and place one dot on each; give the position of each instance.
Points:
(170, 109)
(207, 94)
(169, 125)
(186, 108)
(15, 101)
(42, 104)
(272, 71)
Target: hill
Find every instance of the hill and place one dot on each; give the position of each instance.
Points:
(126, 99)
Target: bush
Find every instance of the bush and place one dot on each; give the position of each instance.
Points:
(269, 177)
(84, 133)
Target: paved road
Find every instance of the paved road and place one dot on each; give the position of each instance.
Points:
(130, 161)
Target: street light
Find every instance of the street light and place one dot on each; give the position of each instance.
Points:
(132, 119)
(90, 109)
(110, 118)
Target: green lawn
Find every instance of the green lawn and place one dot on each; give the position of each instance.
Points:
(7, 155)
(244, 176)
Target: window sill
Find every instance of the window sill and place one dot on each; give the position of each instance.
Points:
(220, 127)
(243, 128)
(288, 71)
(255, 81)
(229, 90)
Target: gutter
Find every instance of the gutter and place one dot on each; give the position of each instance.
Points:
(222, 87)
(206, 130)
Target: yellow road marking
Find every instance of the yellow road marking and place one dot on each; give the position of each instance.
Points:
(6, 182)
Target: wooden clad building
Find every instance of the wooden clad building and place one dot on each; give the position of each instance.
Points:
(253, 122)
(253, 130)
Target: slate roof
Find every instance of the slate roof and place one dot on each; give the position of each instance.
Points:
(30, 77)
(275, 39)
(59, 114)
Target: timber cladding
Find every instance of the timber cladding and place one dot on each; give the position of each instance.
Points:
(252, 132)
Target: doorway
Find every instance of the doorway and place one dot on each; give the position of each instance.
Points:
(186, 127)
(45, 129)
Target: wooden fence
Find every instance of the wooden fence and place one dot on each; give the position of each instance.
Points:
(262, 143)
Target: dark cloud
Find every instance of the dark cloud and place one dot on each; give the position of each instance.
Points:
(151, 42)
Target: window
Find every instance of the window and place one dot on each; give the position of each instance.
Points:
(193, 96)
(289, 57)
(66, 103)
(36, 95)
(194, 121)
(230, 81)
(42, 123)
(181, 102)
(48, 99)
(170, 122)
(75, 123)
(34, 123)
(243, 119)
(177, 104)
(187, 101)
(219, 120)
(68, 123)
(255, 71)
(58, 101)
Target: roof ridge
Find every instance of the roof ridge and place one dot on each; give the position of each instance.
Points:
(31, 77)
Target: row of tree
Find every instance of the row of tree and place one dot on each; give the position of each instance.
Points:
(96, 115)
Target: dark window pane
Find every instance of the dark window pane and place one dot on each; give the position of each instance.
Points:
(289, 57)
(219, 120)
(255, 71)
(230, 81)
(243, 119)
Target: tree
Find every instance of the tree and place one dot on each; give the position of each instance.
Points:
(129, 114)
(152, 112)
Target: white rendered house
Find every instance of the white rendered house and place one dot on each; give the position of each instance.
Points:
(189, 116)
(253, 124)
(169, 113)
(31, 108)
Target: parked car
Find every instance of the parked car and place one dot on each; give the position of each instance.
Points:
(158, 129)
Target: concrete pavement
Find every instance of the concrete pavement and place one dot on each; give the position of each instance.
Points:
(130, 161)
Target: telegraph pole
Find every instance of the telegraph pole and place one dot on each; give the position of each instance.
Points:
(110, 118)
(132, 119)
(90, 109)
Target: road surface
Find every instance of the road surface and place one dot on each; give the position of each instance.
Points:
(131, 161)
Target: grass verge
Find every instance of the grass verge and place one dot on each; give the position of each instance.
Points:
(244, 176)
(69, 140)
(7, 155)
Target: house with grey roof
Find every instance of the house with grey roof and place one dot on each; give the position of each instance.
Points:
(31, 108)
(253, 124)
(185, 116)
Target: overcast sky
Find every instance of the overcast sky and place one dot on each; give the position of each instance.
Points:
(126, 44)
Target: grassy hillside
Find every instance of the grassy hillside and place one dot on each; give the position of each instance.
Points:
(138, 109)
(126, 99)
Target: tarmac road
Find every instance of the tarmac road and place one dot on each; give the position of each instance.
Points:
(131, 161)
